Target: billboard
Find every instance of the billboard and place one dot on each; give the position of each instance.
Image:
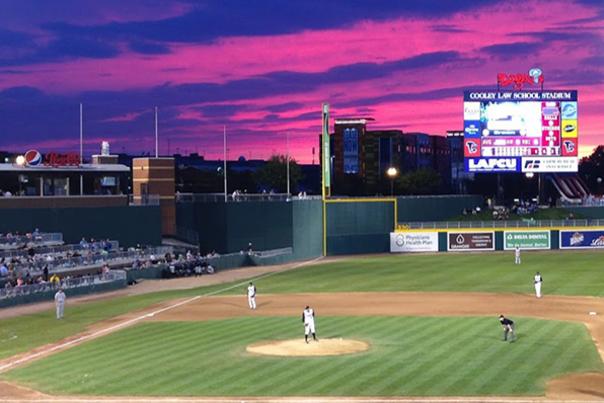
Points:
(503, 128)
(580, 239)
(526, 240)
(464, 241)
(414, 242)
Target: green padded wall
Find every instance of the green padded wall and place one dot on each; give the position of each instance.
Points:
(359, 227)
(307, 225)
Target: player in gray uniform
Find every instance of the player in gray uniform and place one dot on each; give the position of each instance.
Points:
(517, 255)
(60, 303)
(251, 295)
(538, 280)
(308, 318)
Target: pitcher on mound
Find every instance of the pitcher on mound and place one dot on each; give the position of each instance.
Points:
(308, 318)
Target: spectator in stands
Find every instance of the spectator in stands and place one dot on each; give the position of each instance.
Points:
(250, 249)
(84, 243)
(3, 269)
(55, 279)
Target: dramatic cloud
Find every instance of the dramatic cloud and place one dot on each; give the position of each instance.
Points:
(263, 69)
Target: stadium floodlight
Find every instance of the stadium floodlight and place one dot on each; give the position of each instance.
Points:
(20, 160)
(392, 172)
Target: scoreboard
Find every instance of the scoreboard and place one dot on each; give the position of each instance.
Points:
(521, 131)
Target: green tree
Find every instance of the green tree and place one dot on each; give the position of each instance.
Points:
(591, 170)
(273, 175)
(420, 182)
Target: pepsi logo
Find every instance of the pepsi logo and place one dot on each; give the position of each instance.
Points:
(33, 158)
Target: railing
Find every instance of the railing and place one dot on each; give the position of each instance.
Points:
(241, 197)
(71, 264)
(588, 202)
(33, 239)
(500, 224)
(54, 250)
(114, 275)
(144, 200)
(273, 252)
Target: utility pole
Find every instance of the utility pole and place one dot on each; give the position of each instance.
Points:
(225, 165)
(287, 162)
(81, 148)
(156, 136)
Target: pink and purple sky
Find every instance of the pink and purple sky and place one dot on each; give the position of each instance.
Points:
(263, 68)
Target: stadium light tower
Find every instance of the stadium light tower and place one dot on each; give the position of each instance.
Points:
(392, 173)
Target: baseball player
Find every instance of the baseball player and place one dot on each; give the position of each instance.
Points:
(517, 255)
(508, 328)
(308, 318)
(60, 303)
(538, 281)
(251, 295)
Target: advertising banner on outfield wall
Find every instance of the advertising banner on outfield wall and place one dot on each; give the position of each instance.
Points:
(414, 242)
(460, 241)
(526, 240)
(579, 239)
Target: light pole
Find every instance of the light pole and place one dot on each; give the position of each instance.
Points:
(392, 172)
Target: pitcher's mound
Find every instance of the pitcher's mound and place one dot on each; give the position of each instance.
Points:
(298, 348)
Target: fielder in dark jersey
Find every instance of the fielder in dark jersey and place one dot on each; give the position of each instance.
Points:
(508, 328)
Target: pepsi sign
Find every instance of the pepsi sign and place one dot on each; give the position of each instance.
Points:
(33, 158)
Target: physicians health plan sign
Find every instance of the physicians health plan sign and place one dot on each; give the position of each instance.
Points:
(414, 242)
(526, 240)
(462, 241)
(579, 239)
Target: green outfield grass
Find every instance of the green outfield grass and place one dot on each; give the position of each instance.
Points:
(410, 356)
(566, 273)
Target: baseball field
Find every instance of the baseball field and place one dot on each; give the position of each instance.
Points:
(389, 326)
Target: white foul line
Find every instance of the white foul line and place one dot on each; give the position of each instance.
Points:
(80, 339)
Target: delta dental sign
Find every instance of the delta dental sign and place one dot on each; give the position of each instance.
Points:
(526, 240)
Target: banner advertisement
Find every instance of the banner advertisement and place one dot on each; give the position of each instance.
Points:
(526, 240)
(326, 154)
(414, 242)
(579, 239)
(462, 241)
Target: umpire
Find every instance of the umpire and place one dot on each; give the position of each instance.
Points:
(508, 328)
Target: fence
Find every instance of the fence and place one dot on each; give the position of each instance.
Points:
(20, 241)
(144, 200)
(72, 264)
(66, 284)
(53, 250)
(239, 197)
(501, 224)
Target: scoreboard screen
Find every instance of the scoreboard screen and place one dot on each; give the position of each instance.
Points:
(522, 131)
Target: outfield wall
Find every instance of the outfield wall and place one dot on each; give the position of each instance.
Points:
(229, 227)
(485, 240)
(355, 227)
(130, 225)
(435, 208)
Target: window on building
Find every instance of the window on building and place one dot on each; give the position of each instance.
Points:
(351, 150)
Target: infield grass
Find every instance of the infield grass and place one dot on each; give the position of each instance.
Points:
(564, 272)
(412, 356)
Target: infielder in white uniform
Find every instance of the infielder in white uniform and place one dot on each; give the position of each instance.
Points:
(308, 318)
(251, 295)
(538, 281)
(60, 303)
(517, 255)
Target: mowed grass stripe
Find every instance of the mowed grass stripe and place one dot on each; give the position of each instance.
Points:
(413, 356)
(565, 272)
